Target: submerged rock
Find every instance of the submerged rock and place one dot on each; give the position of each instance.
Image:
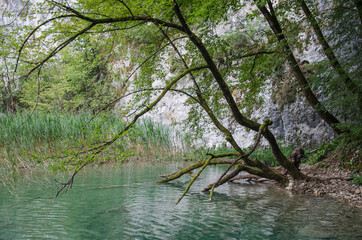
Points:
(313, 231)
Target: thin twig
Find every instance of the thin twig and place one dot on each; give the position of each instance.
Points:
(129, 10)
(252, 68)
(128, 78)
(18, 15)
(194, 178)
(59, 48)
(69, 183)
(261, 129)
(147, 108)
(33, 32)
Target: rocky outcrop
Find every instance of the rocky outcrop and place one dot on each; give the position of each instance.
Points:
(294, 121)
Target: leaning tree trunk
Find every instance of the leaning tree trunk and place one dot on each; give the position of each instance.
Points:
(354, 88)
(273, 22)
(242, 120)
(215, 159)
(358, 4)
(252, 166)
(265, 170)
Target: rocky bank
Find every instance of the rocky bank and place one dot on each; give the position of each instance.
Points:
(329, 178)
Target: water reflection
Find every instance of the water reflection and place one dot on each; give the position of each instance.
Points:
(124, 203)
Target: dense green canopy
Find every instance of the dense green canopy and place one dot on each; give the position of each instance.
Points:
(88, 54)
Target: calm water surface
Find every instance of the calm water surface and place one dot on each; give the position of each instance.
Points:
(123, 203)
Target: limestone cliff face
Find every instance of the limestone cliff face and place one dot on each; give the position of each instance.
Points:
(11, 6)
(294, 122)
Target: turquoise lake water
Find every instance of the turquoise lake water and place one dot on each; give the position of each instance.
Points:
(124, 203)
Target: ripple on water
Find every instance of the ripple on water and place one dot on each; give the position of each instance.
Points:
(109, 203)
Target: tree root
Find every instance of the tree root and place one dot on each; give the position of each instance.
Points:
(249, 178)
(254, 173)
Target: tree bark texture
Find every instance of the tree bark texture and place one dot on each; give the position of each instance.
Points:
(242, 120)
(358, 4)
(273, 22)
(354, 88)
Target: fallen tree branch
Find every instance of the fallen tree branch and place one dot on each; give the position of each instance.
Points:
(194, 178)
(266, 123)
(223, 179)
(247, 176)
(178, 174)
(230, 176)
(95, 151)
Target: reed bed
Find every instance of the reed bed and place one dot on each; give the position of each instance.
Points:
(23, 137)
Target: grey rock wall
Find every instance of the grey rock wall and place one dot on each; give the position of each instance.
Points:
(10, 6)
(294, 123)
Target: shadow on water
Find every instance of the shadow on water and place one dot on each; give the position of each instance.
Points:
(125, 203)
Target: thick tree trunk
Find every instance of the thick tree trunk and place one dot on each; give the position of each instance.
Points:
(354, 88)
(358, 4)
(203, 103)
(294, 172)
(331, 120)
(216, 159)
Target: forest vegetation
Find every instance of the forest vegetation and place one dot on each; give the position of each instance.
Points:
(76, 85)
